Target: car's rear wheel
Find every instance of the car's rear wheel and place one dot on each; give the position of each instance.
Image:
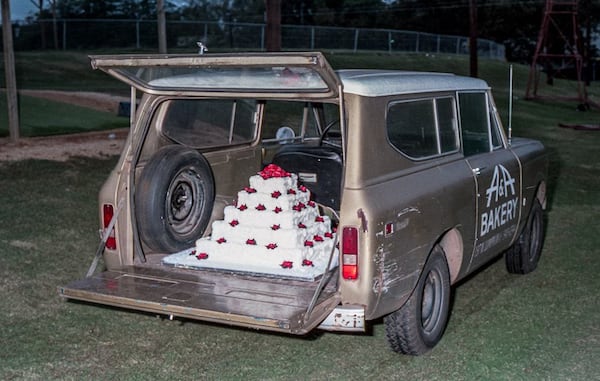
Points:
(420, 323)
(174, 198)
(523, 256)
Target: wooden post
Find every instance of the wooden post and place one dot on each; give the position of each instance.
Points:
(162, 26)
(473, 38)
(11, 80)
(273, 8)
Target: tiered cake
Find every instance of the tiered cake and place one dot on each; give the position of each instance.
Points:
(274, 228)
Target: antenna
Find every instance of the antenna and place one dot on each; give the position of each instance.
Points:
(510, 103)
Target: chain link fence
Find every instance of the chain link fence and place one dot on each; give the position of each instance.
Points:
(71, 34)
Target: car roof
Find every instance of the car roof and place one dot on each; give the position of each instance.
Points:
(373, 83)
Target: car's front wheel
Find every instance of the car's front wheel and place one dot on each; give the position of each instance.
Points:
(173, 199)
(523, 256)
(420, 323)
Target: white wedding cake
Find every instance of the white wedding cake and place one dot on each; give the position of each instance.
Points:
(273, 228)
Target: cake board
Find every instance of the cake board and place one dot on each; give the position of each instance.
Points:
(186, 259)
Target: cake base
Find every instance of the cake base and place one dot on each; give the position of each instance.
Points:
(186, 259)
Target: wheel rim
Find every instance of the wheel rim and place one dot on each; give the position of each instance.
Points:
(184, 201)
(432, 302)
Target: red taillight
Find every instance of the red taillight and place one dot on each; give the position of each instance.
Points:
(350, 253)
(107, 214)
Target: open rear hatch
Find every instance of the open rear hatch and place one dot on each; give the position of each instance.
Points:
(277, 304)
(283, 305)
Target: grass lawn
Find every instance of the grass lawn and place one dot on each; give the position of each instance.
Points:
(43, 117)
(65, 71)
(542, 326)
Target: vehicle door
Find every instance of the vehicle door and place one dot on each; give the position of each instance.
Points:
(496, 172)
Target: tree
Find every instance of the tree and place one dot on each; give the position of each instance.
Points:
(9, 67)
(39, 4)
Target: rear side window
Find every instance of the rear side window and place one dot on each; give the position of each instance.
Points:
(423, 128)
(204, 123)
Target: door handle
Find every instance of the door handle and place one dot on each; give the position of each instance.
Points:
(477, 171)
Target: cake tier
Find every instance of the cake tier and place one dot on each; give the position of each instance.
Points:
(274, 184)
(273, 200)
(258, 258)
(265, 219)
(274, 235)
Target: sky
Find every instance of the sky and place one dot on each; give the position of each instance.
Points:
(19, 9)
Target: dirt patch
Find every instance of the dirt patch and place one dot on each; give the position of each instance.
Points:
(63, 147)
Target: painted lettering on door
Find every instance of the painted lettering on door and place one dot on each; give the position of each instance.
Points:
(501, 201)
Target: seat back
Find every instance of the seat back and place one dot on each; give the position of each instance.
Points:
(319, 168)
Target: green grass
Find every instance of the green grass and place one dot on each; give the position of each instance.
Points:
(58, 70)
(542, 326)
(42, 117)
(65, 71)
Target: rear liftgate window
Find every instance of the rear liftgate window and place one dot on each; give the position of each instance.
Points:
(423, 128)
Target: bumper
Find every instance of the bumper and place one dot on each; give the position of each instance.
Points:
(348, 318)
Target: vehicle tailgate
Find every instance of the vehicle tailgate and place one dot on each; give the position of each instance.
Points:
(250, 301)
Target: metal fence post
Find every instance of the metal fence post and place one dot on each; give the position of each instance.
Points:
(312, 38)
(137, 34)
(417, 42)
(438, 43)
(356, 32)
(390, 42)
(64, 35)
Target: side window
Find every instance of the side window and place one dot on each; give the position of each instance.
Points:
(423, 128)
(209, 123)
(411, 128)
(474, 123)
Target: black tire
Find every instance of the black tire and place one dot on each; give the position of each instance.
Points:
(174, 198)
(420, 323)
(523, 256)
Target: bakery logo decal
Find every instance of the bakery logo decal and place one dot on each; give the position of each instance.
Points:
(502, 199)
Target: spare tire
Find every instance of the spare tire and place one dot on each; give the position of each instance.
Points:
(174, 198)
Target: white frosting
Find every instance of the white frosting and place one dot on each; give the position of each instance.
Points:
(281, 184)
(274, 228)
(272, 200)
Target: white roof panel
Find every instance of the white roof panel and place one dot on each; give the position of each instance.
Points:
(372, 83)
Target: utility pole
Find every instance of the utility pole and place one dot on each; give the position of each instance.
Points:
(273, 8)
(162, 26)
(473, 38)
(9, 68)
